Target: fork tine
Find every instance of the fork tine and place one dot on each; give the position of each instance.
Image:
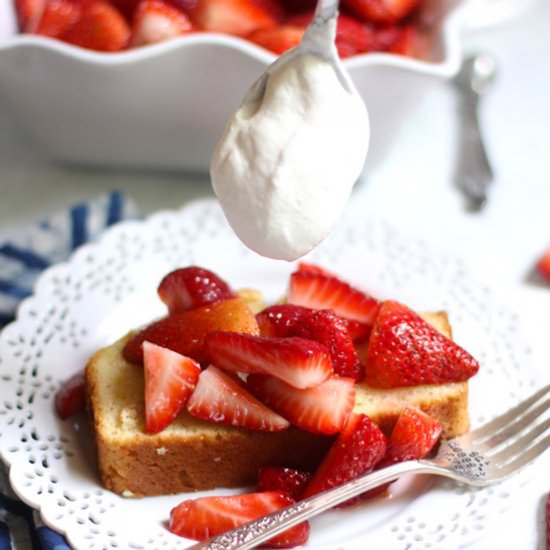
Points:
(493, 440)
(509, 452)
(522, 460)
(503, 420)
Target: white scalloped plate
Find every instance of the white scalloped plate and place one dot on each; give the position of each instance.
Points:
(107, 288)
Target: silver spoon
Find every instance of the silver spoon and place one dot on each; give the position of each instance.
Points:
(319, 39)
(474, 172)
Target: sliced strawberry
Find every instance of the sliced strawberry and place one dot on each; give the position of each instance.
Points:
(192, 287)
(222, 397)
(382, 11)
(414, 435)
(126, 7)
(101, 27)
(70, 399)
(206, 517)
(358, 331)
(289, 481)
(323, 326)
(359, 448)
(404, 350)
(58, 17)
(29, 13)
(277, 39)
(352, 37)
(169, 381)
(323, 409)
(543, 265)
(320, 291)
(185, 332)
(299, 362)
(238, 17)
(314, 268)
(156, 21)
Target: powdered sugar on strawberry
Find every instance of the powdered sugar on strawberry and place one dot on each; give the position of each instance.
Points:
(289, 157)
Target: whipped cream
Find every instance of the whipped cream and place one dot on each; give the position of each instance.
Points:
(289, 157)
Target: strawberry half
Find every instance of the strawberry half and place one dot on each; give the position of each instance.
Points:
(404, 350)
(414, 435)
(238, 17)
(299, 362)
(156, 21)
(70, 399)
(323, 409)
(277, 39)
(222, 397)
(306, 266)
(289, 481)
(359, 448)
(382, 11)
(206, 517)
(543, 265)
(29, 13)
(191, 287)
(320, 291)
(101, 27)
(323, 326)
(185, 332)
(169, 381)
(58, 17)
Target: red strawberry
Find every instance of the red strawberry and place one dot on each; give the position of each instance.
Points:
(222, 397)
(320, 291)
(206, 517)
(382, 11)
(58, 17)
(306, 266)
(277, 39)
(543, 265)
(358, 331)
(169, 381)
(238, 17)
(404, 350)
(289, 481)
(185, 332)
(100, 27)
(322, 326)
(401, 40)
(323, 409)
(413, 436)
(70, 399)
(192, 287)
(548, 522)
(126, 7)
(352, 37)
(300, 363)
(29, 13)
(359, 448)
(156, 21)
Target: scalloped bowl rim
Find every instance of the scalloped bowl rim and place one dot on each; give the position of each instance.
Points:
(450, 40)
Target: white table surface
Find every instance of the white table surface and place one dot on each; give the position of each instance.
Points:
(414, 189)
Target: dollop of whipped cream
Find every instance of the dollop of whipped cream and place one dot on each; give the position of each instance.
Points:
(289, 157)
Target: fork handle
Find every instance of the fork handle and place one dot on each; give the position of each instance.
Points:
(261, 530)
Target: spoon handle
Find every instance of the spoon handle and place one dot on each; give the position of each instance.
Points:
(474, 169)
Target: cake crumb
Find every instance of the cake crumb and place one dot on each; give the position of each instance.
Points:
(127, 494)
(161, 451)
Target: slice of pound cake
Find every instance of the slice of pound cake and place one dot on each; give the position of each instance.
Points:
(193, 454)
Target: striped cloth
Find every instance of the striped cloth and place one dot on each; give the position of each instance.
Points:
(24, 254)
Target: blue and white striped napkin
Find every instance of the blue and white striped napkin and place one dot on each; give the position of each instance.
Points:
(24, 253)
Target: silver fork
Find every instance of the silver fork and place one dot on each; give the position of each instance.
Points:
(481, 457)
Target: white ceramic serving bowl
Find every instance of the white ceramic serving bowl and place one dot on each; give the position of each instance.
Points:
(165, 106)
